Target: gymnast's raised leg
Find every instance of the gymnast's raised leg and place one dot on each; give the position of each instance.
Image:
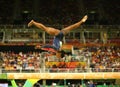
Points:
(74, 26)
(53, 31)
(49, 30)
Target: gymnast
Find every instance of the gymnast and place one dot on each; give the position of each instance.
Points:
(58, 34)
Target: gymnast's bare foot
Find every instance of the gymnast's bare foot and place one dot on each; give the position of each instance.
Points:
(30, 23)
(84, 18)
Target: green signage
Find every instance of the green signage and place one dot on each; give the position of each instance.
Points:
(3, 76)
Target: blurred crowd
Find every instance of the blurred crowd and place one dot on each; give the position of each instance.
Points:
(84, 59)
(106, 58)
(17, 61)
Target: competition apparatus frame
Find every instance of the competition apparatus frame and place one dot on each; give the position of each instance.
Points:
(32, 78)
(99, 75)
(93, 75)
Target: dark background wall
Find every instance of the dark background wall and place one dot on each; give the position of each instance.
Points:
(19, 48)
(59, 11)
